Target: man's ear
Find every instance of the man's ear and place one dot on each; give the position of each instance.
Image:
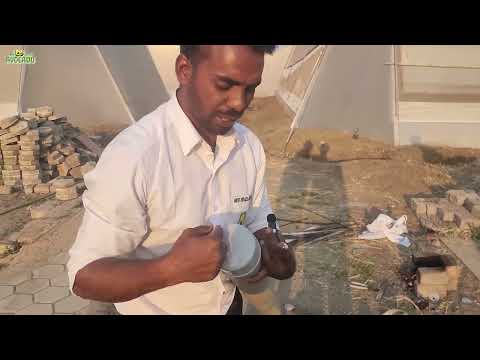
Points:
(184, 69)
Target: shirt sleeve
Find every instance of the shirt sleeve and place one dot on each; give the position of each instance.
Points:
(115, 218)
(261, 208)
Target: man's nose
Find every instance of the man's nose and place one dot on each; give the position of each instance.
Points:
(238, 101)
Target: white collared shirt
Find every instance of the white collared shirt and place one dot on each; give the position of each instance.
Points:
(157, 178)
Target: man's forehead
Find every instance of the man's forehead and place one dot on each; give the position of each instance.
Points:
(234, 60)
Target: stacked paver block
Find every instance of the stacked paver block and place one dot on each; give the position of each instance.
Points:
(461, 207)
(65, 188)
(34, 151)
(468, 202)
(10, 130)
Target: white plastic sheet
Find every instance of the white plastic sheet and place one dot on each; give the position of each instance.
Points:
(386, 227)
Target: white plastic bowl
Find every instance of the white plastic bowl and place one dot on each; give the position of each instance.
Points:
(243, 256)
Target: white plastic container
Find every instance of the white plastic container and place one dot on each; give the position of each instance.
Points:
(243, 258)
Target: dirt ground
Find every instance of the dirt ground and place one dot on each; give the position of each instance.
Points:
(324, 175)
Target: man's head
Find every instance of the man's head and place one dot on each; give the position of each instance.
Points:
(218, 82)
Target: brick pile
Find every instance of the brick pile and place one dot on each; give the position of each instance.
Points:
(459, 207)
(35, 151)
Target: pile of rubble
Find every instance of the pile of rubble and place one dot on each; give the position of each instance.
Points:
(38, 156)
(460, 207)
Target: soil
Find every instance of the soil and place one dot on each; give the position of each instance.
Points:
(340, 177)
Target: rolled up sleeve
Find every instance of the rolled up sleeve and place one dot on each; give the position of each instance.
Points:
(115, 220)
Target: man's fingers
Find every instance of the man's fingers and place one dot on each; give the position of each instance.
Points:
(201, 230)
(218, 232)
(262, 274)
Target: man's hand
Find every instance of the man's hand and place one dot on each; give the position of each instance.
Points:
(198, 254)
(278, 261)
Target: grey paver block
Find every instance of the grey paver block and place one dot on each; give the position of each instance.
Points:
(32, 286)
(61, 280)
(419, 206)
(51, 294)
(60, 259)
(70, 305)
(48, 271)
(15, 279)
(432, 206)
(5, 291)
(14, 303)
(37, 309)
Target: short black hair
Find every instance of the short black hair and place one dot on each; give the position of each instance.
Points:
(190, 50)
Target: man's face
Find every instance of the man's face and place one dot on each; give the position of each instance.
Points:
(223, 83)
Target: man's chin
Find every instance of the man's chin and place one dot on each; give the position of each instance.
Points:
(223, 130)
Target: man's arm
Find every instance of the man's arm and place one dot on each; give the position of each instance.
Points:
(195, 257)
(114, 280)
(277, 261)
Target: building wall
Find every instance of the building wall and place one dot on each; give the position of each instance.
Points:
(353, 89)
(76, 82)
(136, 76)
(458, 134)
(9, 82)
(440, 73)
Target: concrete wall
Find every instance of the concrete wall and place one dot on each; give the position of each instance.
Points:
(9, 82)
(164, 57)
(75, 80)
(353, 89)
(440, 134)
(136, 76)
(441, 55)
(432, 81)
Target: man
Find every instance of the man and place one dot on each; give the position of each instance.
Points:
(147, 242)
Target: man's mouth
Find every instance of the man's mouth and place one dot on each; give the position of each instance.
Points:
(226, 119)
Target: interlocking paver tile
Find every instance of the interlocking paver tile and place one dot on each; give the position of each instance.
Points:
(51, 295)
(48, 271)
(32, 286)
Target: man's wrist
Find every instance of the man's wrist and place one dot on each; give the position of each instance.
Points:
(167, 271)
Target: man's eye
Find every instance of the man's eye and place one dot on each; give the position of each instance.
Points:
(223, 86)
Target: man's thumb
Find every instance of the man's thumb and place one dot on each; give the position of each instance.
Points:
(203, 230)
(218, 232)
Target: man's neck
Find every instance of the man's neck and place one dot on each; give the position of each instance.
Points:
(185, 105)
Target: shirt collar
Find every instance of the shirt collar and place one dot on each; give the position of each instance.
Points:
(189, 136)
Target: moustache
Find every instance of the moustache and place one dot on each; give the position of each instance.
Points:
(234, 116)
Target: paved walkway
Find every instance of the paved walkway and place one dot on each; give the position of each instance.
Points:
(45, 291)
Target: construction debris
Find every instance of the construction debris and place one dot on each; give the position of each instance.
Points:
(36, 147)
(460, 207)
(466, 301)
(8, 247)
(435, 277)
(386, 227)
